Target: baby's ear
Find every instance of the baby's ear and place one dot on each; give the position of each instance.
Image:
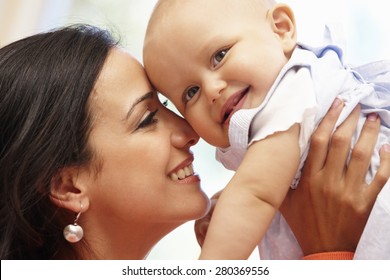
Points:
(67, 191)
(283, 24)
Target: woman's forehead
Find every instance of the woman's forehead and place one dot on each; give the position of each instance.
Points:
(120, 72)
(121, 82)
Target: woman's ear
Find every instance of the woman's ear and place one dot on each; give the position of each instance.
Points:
(283, 24)
(68, 191)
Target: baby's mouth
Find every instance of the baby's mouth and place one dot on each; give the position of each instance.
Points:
(231, 107)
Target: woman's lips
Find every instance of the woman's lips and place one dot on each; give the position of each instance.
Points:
(184, 172)
(233, 104)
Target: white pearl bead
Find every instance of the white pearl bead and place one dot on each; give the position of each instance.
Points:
(73, 233)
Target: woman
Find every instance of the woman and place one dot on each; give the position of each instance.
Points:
(85, 142)
(80, 111)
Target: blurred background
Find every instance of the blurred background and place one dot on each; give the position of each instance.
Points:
(362, 27)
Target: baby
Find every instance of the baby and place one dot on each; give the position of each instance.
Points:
(235, 71)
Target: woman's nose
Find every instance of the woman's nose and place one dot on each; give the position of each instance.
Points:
(183, 136)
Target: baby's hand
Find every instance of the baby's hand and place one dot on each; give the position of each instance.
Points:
(202, 224)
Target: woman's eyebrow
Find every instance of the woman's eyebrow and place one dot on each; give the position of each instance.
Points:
(148, 95)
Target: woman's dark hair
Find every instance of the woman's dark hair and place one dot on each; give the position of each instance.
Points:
(45, 82)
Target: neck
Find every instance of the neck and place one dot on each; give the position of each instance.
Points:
(112, 242)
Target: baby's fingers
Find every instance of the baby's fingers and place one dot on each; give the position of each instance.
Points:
(200, 228)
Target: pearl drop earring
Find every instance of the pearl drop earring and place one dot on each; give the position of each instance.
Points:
(74, 233)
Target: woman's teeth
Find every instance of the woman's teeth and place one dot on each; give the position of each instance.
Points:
(182, 173)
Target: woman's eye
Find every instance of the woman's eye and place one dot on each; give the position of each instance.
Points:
(217, 58)
(190, 93)
(148, 120)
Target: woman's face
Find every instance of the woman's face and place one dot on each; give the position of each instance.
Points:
(140, 148)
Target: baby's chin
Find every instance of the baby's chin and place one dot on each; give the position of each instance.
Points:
(221, 143)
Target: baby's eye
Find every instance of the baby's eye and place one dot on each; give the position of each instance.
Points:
(190, 93)
(218, 56)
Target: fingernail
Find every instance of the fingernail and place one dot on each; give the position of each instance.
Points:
(336, 103)
(372, 117)
(386, 148)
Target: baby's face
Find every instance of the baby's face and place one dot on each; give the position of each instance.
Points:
(212, 58)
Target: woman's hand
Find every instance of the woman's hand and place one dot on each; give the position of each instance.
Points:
(329, 209)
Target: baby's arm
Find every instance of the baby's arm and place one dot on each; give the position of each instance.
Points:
(247, 205)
